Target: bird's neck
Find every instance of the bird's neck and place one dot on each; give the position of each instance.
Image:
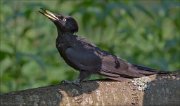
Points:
(60, 33)
(64, 35)
(64, 40)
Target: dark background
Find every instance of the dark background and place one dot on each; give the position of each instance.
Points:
(141, 32)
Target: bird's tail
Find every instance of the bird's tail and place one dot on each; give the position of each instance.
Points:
(149, 71)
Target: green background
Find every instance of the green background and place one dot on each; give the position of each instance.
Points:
(141, 32)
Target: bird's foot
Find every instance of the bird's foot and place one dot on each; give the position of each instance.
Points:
(75, 82)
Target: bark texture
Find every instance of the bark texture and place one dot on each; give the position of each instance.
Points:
(154, 90)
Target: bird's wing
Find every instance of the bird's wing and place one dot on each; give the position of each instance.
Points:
(113, 66)
(83, 59)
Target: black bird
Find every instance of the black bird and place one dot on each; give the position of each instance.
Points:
(86, 57)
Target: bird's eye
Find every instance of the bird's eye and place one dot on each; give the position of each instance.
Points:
(64, 19)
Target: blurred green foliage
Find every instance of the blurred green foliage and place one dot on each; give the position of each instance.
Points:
(141, 32)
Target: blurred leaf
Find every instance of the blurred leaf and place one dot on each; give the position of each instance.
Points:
(145, 11)
(171, 44)
(20, 55)
(128, 10)
(5, 64)
(25, 30)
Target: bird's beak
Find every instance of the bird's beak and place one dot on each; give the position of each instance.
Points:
(48, 14)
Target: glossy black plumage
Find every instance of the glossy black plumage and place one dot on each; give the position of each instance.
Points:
(86, 57)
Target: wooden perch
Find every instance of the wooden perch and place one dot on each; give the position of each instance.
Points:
(161, 90)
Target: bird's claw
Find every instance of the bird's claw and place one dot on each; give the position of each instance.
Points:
(75, 82)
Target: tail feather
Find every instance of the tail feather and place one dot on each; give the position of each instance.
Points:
(149, 71)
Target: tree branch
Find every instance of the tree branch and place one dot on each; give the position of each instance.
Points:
(152, 90)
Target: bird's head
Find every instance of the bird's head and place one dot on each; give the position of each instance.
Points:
(63, 23)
